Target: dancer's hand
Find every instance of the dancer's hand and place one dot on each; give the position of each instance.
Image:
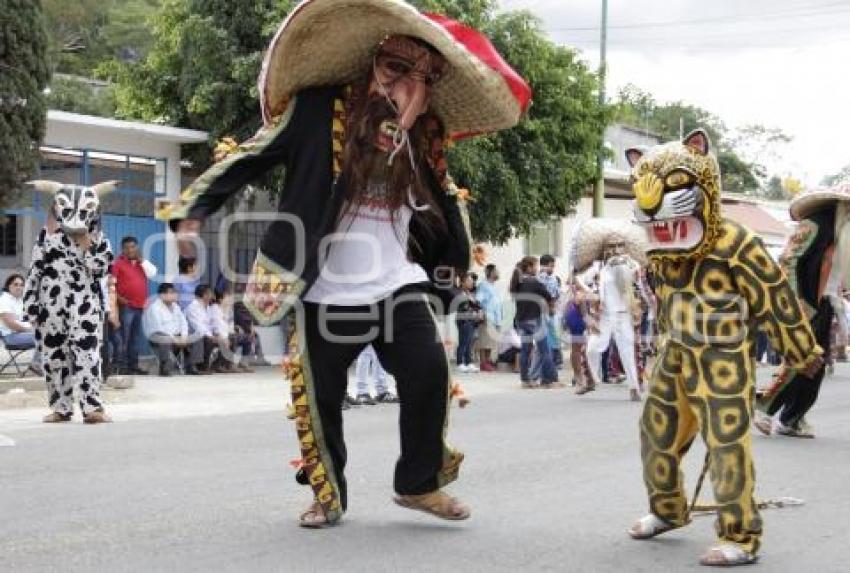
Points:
(187, 235)
(83, 241)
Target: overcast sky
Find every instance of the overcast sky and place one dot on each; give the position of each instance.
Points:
(782, 63)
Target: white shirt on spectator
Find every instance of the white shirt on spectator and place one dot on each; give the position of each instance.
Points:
(160, 319)
(217, 321)
(10, 305)
(198, 318)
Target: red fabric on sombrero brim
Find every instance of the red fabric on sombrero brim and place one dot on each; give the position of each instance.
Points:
(480, 46)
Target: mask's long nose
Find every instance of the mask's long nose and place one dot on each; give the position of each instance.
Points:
(416, 105)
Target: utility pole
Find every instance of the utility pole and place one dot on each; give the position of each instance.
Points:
(599, 191)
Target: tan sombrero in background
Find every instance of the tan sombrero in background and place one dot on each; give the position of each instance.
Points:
(804, 204)
(333, 42)
(591, 235)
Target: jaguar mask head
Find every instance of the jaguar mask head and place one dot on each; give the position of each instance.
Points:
(76, 208)
(677, 196)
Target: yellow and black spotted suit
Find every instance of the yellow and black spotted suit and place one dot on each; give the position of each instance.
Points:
(712, 297)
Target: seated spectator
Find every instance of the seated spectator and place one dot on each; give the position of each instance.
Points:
(243, 324)
(14, 329)
(201, 328)
(509, 347)
(224, 327)
(168, 332)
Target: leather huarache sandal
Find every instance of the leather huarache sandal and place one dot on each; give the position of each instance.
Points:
(649, 526)
(437, 503)
(314, 517)
(56, 418)
(726, 555)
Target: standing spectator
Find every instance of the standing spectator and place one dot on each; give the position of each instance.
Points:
(15, 331)
(131, 283)
(168, 332)
(550, 281)
(200, 327)
(112, 326)
(468, 317)
(186, 281)
(489, 330)
(368, 358)
(573, 321)
(533, 301)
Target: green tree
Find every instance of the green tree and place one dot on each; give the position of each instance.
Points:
(202, 69)
(24, 73)
(541, 168)
(86, 33)
(842, 177)
(634, 106)
(68, 93)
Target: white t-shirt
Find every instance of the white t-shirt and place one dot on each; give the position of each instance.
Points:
(612, 300)
(367, 258)
(10, 305)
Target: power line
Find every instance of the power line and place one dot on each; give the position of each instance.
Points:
(789, 13)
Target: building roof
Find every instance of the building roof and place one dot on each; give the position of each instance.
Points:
(149, 130)
(755, 218)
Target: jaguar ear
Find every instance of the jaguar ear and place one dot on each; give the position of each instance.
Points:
(633, 155)
(50, 187)
(698, 141)
(105, 188)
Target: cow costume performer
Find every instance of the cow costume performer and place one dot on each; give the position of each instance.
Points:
(716, 284)
(359, 98)
(817, 261)
(64, 299)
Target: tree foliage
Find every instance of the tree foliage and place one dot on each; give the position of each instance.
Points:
(86, 33)
(839, 178)
(540, 169)
(634, 106)
(24, 73)
(202, 69)
(77, 95)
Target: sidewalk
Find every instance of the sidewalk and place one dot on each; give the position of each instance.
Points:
(266, 390)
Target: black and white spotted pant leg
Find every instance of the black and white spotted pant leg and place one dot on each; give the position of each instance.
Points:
(55, 359)
(85, 341)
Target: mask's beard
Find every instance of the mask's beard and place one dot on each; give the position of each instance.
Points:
(622, 275)
(372, 125)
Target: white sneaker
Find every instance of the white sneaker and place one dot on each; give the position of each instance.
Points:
(462, 368)
(472, 368)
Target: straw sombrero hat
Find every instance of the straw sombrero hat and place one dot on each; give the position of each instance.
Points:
(332, 42)
(804, 204)
(591, 236)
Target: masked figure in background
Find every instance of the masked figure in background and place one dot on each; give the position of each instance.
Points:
(370, 224)
(817, 262)
(716, 284)
(622, 246)
(64, 299)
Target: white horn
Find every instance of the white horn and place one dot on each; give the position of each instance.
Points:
(105, 188)
(51, 187)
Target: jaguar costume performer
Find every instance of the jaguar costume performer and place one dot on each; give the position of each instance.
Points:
(64, 299)
(716, 284)
(817, 261)
(359, 99)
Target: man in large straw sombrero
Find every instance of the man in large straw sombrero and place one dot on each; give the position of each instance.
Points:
(610, 252)
(817, 262)
(358, 99)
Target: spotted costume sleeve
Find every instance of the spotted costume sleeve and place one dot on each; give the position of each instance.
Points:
(33, 282)
(98, 258)
(268, 148)
(773, 304)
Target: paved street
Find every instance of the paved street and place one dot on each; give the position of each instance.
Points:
(194, 476)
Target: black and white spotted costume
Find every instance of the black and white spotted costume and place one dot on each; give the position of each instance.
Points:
(64, 299)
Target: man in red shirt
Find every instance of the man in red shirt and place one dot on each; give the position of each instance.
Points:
(131, 277)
